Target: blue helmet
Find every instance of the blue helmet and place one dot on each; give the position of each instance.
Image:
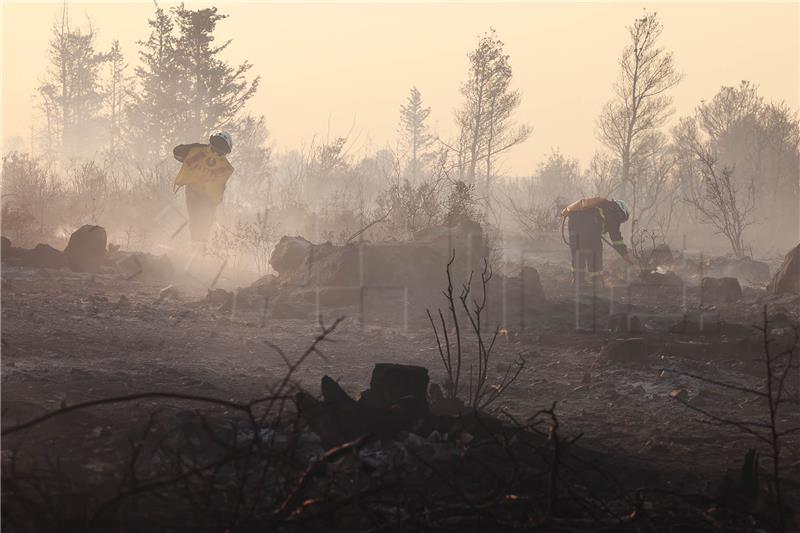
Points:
(624, 208)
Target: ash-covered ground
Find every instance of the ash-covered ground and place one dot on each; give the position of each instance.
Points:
(631, 368)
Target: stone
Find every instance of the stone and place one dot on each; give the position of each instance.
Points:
(392, 382)
(290, 253)
(86, 248)
(44, 256)
(787, 278)
(630, 351)
(720, 290)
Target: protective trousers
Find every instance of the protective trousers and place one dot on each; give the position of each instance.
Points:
(586, 245)
(202, 213)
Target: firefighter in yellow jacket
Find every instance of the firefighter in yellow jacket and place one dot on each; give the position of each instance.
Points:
(588, 219)
(205, 172)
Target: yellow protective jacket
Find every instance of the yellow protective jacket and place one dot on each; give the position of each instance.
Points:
(203, 169)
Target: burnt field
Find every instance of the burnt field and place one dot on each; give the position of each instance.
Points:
(143, 404)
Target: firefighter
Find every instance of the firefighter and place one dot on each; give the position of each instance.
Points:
(205, 172)
(588, 219)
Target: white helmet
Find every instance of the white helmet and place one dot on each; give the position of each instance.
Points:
(222, 142)
(624, 208)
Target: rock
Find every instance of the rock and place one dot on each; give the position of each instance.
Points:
(391, 382)
(44, 256)
(634, 350)
(720, 290)
(290, 253)
(86, 248)
(745, 269)
(41, 256)
(532, 289)
(787, 278)
(113, 248)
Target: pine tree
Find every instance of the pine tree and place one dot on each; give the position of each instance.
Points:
(117, 91)
(71, 93)
(414, 132)
(212, 92)
(153, 110)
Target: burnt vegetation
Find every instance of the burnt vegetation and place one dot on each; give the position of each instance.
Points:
(153, 384)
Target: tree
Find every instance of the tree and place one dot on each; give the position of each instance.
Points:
(252, 160)
(640, 105)
(536, 202)
(153, 110)
(71, 94)
(711, 188)
(756, 142)
(414, 132)
(486, 127)
(210, 91)
(117, 91)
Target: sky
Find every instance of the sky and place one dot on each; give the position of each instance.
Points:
(329, 69)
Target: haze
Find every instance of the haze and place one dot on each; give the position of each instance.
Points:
(330, 68)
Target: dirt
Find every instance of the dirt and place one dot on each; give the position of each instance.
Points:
(69, 337)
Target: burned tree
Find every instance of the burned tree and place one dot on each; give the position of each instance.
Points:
(712, 189)
(414, 133)
(629, 122)
(485, 120)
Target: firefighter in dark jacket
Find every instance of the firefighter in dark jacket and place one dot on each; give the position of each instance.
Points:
(204, 173)
(588, 219)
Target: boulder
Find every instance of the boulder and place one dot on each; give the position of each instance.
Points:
(292, 253)
(720, 290)
(532, 284)
(787, 278)
(86, 248)
(43, 256)
(392, 382)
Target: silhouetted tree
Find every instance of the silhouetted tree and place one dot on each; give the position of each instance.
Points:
(211, 92)
(117, 91)
(414, 132)
(153, 111)
(71, 94)
(640, 105)
(486, 127)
